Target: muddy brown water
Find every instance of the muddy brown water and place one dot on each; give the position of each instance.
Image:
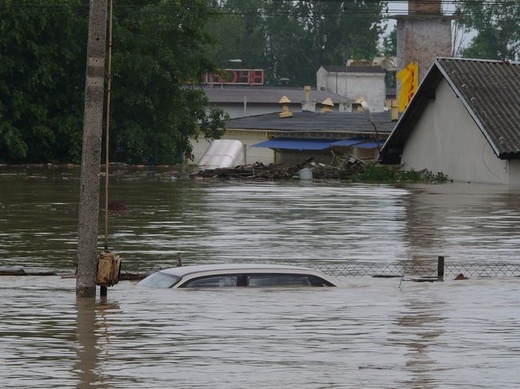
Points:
(373, 333)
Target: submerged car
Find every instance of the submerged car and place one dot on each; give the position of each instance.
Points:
(237, 275)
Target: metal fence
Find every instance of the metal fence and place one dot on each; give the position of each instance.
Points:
(416, 269)
(403, 269)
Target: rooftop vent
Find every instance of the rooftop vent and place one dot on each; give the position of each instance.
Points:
(286, 113)
(327, 105)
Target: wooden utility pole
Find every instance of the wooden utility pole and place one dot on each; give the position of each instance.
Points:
(91, 153)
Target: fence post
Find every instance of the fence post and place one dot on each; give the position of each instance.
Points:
(440, 268)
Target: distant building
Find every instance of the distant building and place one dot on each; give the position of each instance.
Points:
(312, 121)
(354, 82)
(275, 138)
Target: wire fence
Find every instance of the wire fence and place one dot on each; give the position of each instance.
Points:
(405, 269)
(421, 270)
(440, 268)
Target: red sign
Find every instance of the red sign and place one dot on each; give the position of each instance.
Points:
(237, 77)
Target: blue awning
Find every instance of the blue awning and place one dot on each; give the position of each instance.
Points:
(295, 144)
(370, 145)
(316, 144)
(348, 142)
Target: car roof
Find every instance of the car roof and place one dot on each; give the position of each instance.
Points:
(182, 271)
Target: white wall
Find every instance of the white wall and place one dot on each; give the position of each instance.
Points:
(370, 86)
(447, 140)
(238, 110)
(514, 173)
(321, 78)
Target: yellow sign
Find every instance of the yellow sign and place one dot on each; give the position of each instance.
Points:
(409, 78)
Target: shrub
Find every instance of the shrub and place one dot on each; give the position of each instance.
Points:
(394, 174)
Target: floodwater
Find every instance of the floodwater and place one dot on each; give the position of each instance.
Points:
(372, 333)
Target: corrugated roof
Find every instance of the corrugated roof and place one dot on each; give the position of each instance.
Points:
(488, 89)
(341, 122)
(491, 92)
(235, 95)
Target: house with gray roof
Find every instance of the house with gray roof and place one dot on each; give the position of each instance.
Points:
(464, 121)
(272, 138)
(321, 122)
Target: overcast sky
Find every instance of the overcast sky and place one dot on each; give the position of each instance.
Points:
(448, 7)
(400, 7)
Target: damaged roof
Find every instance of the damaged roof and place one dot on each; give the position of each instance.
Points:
(490, 92)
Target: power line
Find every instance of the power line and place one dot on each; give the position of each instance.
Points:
(390, 8)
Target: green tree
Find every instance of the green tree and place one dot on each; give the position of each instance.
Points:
(291, 39)
(159, 60)
(496, 25)
(42, 72)
(390, 44)
(389, 49)
(238, 32)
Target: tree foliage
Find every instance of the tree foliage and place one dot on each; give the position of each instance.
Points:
(291, 39)
(159, 57)
(161, 51)
(496, 25)
(42, 77)
(159, 60)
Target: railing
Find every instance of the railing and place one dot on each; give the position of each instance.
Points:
(433, 270)
(422, 270)
(405, 269)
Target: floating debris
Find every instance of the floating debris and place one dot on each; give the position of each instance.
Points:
(259, 171)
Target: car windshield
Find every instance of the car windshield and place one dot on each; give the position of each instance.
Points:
(159, 280)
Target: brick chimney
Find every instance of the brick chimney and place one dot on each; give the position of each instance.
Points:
(430, 7)
(423, 35)
(307, 104)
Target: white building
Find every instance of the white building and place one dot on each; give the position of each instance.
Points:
(354, 82)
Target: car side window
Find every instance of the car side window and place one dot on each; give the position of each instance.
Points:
(218, 281)
(258, 280)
